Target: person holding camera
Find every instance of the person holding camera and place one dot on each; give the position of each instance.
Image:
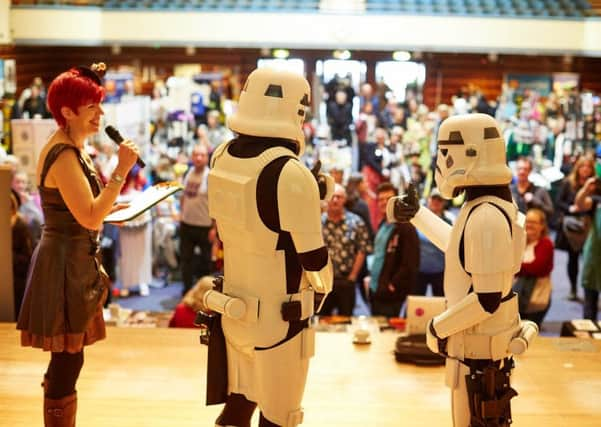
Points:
(589, 199)
(573, 228)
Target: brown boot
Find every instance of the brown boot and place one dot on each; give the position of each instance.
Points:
(60, 412)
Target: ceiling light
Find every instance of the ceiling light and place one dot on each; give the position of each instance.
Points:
(281, 53)
(401, 55)
(342, 54)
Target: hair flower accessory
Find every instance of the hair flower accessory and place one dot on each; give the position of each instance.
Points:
(99, 68)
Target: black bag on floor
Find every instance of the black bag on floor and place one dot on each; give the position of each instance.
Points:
(413, 349)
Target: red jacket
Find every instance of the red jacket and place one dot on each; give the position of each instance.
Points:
(183, 317)
(542, 265)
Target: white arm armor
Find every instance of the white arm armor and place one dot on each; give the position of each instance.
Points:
(226, 305)
(300, 215)
(466, 313)
(528, 331)
(488, 251)
(321, 280)
(433, 227)
(299, 206)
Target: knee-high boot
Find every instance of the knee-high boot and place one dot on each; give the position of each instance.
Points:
(236, 412)
(60, 412)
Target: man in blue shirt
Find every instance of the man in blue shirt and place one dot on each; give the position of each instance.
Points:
(395, 261)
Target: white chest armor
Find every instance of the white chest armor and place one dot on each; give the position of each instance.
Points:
(490, 338)
(457, 281)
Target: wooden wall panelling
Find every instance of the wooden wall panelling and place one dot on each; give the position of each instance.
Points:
(450, 71)
(458, 70)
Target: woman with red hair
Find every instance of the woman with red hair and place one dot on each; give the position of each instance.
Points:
(66, 285)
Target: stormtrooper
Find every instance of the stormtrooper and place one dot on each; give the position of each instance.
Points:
(480, 330)
(266, 205)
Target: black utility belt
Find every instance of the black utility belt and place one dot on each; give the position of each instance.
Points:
(481, 364)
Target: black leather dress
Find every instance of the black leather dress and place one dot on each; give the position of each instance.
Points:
(66, 285)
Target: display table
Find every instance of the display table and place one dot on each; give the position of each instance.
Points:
(155, 377)
(581, 328)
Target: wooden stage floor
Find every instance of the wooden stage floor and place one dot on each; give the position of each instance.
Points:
(156, 378)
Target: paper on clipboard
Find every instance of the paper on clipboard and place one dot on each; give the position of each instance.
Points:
(144, 201)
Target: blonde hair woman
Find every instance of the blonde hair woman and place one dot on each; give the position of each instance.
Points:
(537, 263)
(191, 303)
(566, 205)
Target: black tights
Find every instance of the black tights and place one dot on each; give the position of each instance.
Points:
(573, 269)
(61, 376)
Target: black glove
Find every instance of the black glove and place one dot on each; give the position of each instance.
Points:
(404, 207)
(321, 180)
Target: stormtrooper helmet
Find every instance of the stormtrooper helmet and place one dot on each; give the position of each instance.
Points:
(471, 152)
(272, 104)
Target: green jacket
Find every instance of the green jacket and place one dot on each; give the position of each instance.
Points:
(591, 267)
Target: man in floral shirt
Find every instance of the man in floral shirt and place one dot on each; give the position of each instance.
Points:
(348, 243)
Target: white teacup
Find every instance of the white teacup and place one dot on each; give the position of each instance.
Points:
(361, 336)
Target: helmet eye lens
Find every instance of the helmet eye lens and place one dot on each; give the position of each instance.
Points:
(274, 91)
(491, 132)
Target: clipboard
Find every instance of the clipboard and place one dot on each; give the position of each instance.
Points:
(144, 201)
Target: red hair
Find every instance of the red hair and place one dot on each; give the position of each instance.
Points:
(72, 89)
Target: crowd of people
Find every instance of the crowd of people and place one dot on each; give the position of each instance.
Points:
(59, 300)
(394, 144)
(558, 133)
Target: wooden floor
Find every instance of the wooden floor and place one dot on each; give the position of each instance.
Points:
(156, 378)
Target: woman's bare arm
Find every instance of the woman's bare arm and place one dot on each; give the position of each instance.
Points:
(89, 211)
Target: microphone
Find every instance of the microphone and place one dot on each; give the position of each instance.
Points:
(118, 139)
